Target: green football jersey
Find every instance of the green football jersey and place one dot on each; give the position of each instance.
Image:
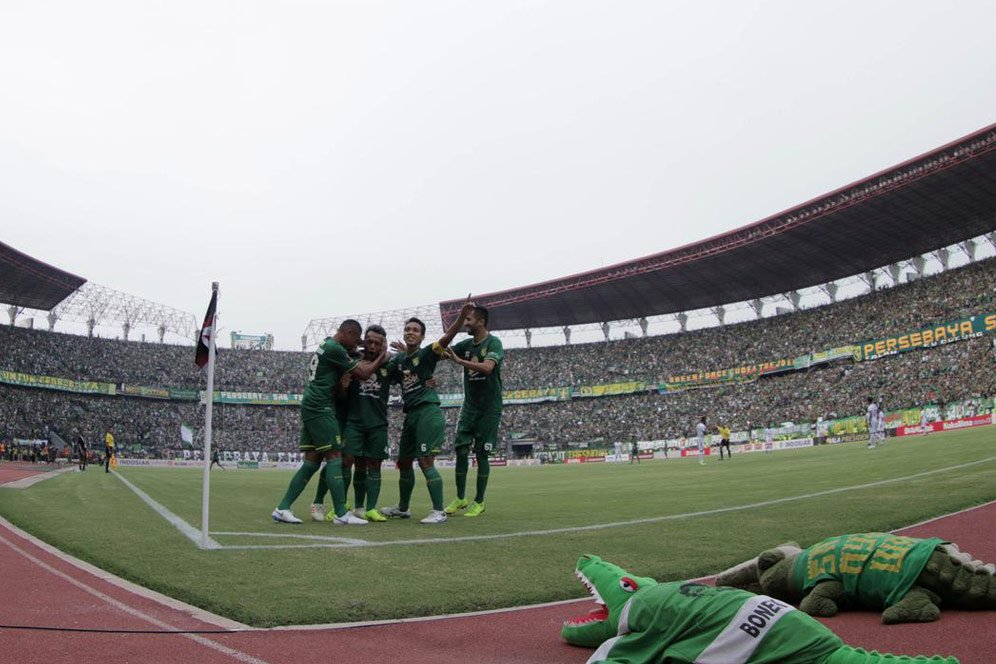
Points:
(877, 569)
(689, 622)
(412, 371)
(482, 392)
(328, 364)
(367, 401)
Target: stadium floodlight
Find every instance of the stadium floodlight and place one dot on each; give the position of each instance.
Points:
(393, 321)
(93, 305)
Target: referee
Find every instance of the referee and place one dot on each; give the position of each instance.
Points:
(108, 451)
(724, 441)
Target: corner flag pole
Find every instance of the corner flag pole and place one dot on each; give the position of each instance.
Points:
(208, 412)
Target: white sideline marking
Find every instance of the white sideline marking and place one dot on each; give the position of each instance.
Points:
(132, 611)
(191, 533)
(563, 602)
(617, 524)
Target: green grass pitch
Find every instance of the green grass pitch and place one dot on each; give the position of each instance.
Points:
(647, 517)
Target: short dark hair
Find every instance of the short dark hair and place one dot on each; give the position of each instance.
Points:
(351, 324)
(416, 320)
(377, 329)
(482, 313)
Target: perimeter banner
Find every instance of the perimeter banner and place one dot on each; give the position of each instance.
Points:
(609, 389)
(928, 337)
(53, 383)
(258, 398)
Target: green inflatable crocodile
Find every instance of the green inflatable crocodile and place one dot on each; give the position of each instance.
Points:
(640, 621)
(906, 577)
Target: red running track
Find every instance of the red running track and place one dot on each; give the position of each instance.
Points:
(40, 588)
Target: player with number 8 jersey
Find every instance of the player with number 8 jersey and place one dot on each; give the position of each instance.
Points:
(320, 435)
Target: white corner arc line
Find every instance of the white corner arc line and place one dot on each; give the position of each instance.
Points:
(617, 524)
(194, 612)
(188, 531)
(130, 610)
(319, 538)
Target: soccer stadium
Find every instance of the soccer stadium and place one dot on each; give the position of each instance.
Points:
(795, 329)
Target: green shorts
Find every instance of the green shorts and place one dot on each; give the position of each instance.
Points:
(478, 428)
(359, 441)
(319, 432)
(423, 432)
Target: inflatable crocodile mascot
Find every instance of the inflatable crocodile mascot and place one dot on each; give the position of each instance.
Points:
(640, 621)
(909, 578)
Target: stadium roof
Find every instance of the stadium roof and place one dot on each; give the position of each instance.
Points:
(30, 283)
(935, 200)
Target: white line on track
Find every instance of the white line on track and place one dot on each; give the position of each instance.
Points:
(191, 533)
(26, 482)
(617, 524)
(133, 588)
(132, 611)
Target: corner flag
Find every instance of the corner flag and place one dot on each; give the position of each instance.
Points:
(206, 334)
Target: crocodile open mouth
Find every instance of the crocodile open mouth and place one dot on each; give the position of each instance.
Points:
(599, 614)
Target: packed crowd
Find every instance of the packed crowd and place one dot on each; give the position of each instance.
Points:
(939, 375)
(940, 298)
(947, 373)
(950, 372)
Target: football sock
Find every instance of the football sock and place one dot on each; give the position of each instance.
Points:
(297, 483)
(483, 471)
(373, 487)
(360, 482)
(323, 490)
(406, 484)
(434, 481)
(462, 465)
(347, 478)
(333, 475)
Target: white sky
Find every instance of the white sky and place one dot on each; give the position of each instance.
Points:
(347, 157)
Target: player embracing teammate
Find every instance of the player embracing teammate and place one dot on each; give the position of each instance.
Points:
(481, 357)
(424, 429)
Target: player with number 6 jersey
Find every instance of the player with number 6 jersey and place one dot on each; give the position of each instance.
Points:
(424, 427)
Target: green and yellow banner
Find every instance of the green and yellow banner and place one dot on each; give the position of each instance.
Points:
(54, 383)
(927, 337)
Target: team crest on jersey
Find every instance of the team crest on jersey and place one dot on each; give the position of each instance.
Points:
(466, 354)
(383, 372)
(415, 362)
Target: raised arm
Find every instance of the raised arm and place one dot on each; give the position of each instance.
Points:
(457, 324)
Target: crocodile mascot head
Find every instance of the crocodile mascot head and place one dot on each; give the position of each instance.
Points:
(611, 587)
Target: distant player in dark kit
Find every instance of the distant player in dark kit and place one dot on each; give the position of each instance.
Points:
(216, 459)
(320, 435)
(481, 357)
(81, 450)
(634, 453)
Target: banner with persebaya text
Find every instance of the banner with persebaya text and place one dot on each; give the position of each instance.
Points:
(53, 383)
(928, 337)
